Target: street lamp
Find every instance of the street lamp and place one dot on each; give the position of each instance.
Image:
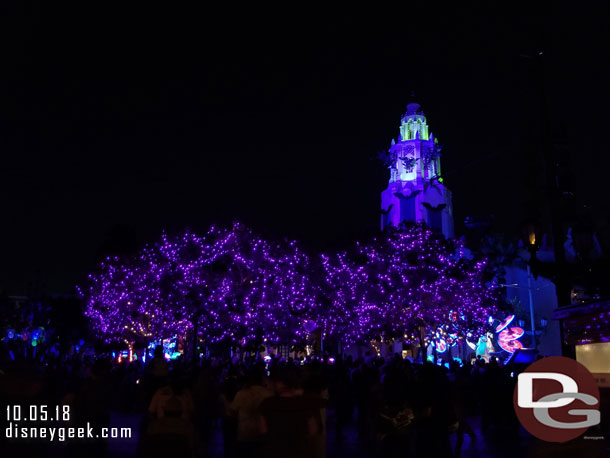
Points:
(532, 238)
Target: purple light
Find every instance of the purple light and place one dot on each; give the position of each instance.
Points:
(235, 287)
(229, 284)
(402, 281)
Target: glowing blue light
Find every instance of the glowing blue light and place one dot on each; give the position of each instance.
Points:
(505, 323)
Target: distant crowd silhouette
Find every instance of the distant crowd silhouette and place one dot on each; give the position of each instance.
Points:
(273, 407)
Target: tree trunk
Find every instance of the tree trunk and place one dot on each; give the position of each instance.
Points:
(423, 350)
(195, 340)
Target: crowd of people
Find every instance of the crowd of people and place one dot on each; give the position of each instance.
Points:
(272, 407)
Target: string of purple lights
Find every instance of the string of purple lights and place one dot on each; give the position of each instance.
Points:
(232, 286)
(405, 282)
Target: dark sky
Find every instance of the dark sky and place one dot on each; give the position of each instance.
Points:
(129, 120)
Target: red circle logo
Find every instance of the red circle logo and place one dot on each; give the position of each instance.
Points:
(557, 399)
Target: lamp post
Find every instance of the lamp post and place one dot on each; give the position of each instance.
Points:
(533, 242)
(554, 194)
(529, 293)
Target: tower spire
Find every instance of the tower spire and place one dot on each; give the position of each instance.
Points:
(415, 191)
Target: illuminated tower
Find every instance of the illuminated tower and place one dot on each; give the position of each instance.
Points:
(416, 192)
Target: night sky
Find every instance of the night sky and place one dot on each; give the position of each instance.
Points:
(118, 123)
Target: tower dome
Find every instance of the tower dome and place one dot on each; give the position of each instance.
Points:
(413, 108)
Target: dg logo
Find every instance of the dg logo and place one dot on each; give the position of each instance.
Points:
(557, 399)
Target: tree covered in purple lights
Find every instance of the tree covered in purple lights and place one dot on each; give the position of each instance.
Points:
(232, 286)
(409, 284)
(228, 285)
(122, 301)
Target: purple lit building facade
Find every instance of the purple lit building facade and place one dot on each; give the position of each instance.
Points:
(416, 192)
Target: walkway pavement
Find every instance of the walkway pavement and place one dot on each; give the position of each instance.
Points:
(494, 444)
